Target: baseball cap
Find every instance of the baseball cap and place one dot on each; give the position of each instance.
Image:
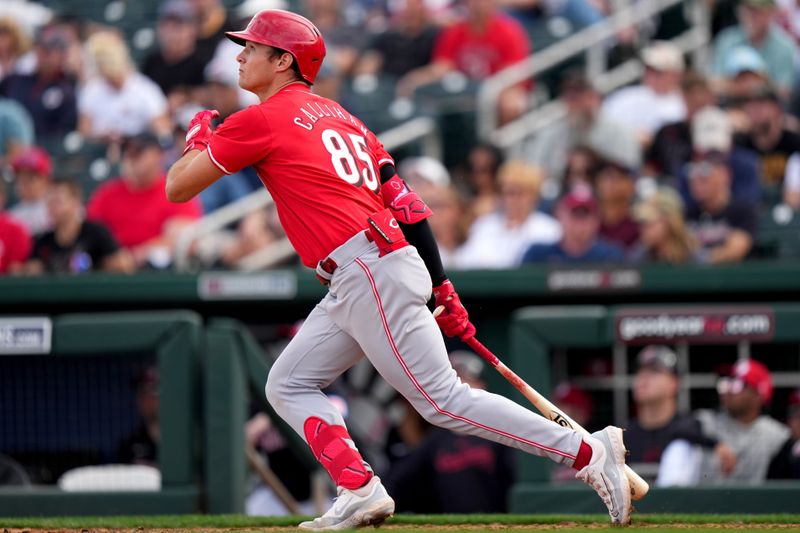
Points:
(579, 198)
(712, 131)
(743, 59)
(658, 357)
(139, 142)
(426, 169)
(466, 363)
(665, 201)
(180, 10)
(568, 394)
(34, 159)
(52, 38)
(748, 373)
(664, 56)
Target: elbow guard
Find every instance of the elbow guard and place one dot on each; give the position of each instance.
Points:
(405, 204)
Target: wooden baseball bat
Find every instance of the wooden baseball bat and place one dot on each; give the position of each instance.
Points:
(639, 486)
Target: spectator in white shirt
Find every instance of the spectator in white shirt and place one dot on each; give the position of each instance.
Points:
(498, 239)
(657, 101)
(119, 101)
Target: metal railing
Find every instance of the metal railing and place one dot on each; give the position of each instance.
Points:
(423, 129)
(591, 41)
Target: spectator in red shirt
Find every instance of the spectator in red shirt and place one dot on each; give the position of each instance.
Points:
(15, 243)
(135, 208)
(483, 43)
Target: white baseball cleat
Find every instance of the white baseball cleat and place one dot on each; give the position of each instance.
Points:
(605, 473)
(369, 505)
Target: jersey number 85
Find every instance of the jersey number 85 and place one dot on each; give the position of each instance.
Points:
(357, 173)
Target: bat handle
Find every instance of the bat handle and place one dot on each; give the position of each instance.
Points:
(474, 343)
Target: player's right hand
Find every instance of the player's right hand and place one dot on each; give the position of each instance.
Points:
(454, 320)
(199, 132)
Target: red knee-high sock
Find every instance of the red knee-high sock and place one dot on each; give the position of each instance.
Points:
(335, 450)
(584, 456)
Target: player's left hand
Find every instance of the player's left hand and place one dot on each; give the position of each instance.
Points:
(199, 132)
(454, 320)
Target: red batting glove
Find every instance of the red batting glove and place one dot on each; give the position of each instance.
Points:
(199, 133)
(454, 320)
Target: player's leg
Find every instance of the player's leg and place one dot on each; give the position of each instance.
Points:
(315, 357)
(386, 313)
(400, 337)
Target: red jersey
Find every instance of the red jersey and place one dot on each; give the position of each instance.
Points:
(135, 216)
(15, 243)
(320, 164)
(479, 55)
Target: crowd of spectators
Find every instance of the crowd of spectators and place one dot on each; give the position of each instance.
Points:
(680, 167)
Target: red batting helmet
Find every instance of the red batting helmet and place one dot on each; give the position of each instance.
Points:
(287, 31)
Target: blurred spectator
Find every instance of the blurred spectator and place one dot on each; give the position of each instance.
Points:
(584, 126)
(32, 173)
(406, 45)
(465, 474)
(615, 183)
(119, 101)
(499, 239)
(787, 463)
(744, 70)
(344, 38)
(175, 67)
(769, 136)
(450, 225)
(253, 234)
(757, 29)
(581, 168)
(15, 243)
(483, 162)
(712, 135)
(14, 47)
(664, 237)
(754, 437)
(672, 147)
(49, 93)
(658, 422)
(141, 447)
(483, 43)
(16, 129)
(578, 13)
(578, 213)
(135, 208)
(74, 245)
(724, 226)
(657, 101)
(214, 21)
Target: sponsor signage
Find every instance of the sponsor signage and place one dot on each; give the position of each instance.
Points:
(278, 285)
(717, 325)
(581, 279)
(25, 335)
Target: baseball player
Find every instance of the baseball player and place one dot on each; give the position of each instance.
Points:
(352, 218)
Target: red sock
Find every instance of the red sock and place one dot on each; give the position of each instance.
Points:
(584, 456)
(334, 449)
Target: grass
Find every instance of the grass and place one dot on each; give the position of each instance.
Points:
(565, 523)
